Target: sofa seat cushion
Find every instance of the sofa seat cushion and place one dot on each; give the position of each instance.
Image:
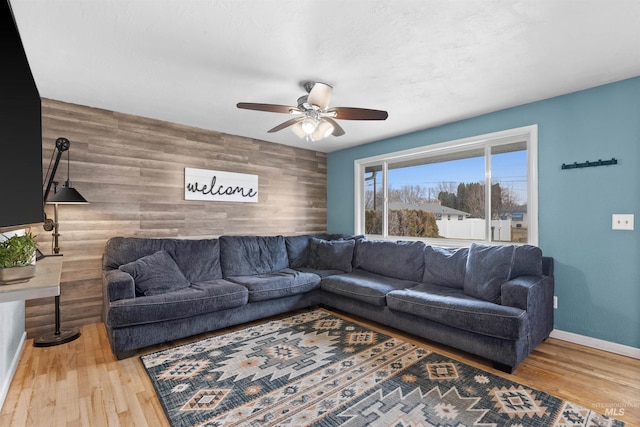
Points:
(364, 286)
(452, 307)
(321, 273)
(199, 298)
(278, 284)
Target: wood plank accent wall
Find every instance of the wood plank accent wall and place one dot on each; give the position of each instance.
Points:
(131, 170)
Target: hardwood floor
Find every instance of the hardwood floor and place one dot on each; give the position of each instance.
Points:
(82, 384)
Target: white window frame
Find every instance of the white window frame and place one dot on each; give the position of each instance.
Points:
(528, 134)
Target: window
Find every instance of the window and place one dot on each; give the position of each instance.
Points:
(476, 189)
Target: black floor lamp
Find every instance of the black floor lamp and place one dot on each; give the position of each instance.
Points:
(67, 195)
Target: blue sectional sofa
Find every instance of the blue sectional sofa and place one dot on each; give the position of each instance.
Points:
(492, 301)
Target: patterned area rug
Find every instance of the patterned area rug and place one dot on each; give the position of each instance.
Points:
(317, 369)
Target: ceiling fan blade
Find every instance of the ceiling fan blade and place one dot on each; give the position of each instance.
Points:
(320, 95)
(337, 130)
(286, 124)
(272, 108)
(348, 113)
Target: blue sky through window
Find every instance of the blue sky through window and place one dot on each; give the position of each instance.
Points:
(509, 169)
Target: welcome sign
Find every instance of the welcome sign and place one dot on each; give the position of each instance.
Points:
(203, 184)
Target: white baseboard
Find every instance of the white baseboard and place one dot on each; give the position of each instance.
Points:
(609, 346)
(6, 381)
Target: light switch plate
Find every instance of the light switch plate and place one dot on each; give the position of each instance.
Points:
(622, 222)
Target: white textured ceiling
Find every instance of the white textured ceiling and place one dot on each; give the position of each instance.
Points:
(427, 62)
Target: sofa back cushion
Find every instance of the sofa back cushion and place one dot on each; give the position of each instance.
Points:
(445, 266)
(298, 246)
(331, 254)
(527, 261)
(488, 267)
(155, 274)
(199, 260)
(297, 250)
(249, 255)
(401, 260)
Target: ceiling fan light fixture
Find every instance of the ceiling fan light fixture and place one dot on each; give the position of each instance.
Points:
(323, 130)
(309, 125)
(297, 129)
(312, 119)
(320, 95)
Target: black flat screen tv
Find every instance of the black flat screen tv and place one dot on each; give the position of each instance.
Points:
(21, 199)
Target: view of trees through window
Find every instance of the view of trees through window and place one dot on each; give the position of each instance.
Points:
(445, 196)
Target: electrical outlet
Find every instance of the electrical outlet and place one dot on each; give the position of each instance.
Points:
(555, 301)
(622, 222)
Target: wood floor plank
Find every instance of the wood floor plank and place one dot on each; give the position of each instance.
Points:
(82, 384)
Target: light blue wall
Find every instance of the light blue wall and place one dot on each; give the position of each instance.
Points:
(597, 269)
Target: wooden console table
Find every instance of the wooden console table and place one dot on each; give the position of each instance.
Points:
(46, 283)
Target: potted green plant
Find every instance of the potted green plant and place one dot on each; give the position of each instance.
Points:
(17, 259)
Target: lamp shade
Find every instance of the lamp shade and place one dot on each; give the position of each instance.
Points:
(67, 195)
(308, 125)
(320, 95)
(297, 129)
(323, 130)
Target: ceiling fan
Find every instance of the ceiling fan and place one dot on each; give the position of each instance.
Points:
(313, 119)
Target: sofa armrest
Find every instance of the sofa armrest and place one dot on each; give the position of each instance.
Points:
(523, 292)
(534, 294)
(119, 285)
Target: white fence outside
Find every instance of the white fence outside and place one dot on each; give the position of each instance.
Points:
(474, 229)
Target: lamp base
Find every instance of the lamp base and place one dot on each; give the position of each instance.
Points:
(53, 338)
